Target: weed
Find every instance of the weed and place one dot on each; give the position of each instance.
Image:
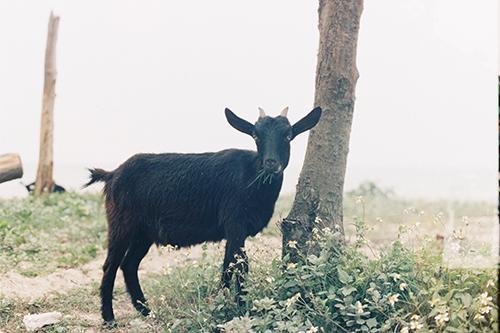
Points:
(41, 234)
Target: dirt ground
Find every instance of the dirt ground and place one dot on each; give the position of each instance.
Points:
(159, 260)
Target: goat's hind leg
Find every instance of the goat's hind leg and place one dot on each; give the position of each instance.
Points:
(116, 251)
(130, 264)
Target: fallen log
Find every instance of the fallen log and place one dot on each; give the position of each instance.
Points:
(10, 167)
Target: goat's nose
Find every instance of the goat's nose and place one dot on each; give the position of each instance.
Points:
(272, 165)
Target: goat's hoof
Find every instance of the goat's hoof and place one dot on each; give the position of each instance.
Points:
(143, 310)
(109, 324)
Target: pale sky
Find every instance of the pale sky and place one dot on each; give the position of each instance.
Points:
(155, 76)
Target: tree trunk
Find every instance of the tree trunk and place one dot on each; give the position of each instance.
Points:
(44, 179)
(318, 201)
(10, 167)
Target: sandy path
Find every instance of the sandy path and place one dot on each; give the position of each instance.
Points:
(158, 260)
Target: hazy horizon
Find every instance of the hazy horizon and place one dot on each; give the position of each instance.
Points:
(156, 76)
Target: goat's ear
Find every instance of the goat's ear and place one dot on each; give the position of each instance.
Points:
(307, 122)
(240, 124)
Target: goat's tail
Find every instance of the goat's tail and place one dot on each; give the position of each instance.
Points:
(98, 175)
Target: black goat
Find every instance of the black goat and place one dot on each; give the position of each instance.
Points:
(55, 188)
(187, 199)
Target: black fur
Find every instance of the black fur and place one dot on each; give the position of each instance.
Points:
(187, 199)
(55, 189)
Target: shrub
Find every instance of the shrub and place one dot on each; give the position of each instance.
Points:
(339, 290)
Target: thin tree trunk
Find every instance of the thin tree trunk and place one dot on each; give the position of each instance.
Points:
(10, 167)
(318, 201)
(44, 179)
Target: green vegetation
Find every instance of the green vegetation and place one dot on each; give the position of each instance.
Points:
(390, 277)
(41, 234)
(402, 289)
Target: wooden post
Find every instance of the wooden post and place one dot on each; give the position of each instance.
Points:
(44, 179)
(10, 167)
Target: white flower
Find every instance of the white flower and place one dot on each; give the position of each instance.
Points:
(403, 286)
(485, 299)
(404, 330)
(459, 234)
(414, 324)
(441, 318)
(478, 317)
(292, 299)
(490, 283)
(485, 309)
(393, 299)
(313, 329)
(292, 244)
(359, 307)
(395, 276)
(291, 266)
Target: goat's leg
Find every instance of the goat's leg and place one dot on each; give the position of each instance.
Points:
(116, 251)
(227, 270)
(130, 264)
(241, 270)
(235, 261)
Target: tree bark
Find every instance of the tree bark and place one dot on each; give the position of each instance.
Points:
(318, 201)
(44, 178)
(10, 167)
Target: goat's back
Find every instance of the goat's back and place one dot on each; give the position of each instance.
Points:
(179, 198)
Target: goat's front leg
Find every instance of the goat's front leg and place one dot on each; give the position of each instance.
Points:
(235, 261)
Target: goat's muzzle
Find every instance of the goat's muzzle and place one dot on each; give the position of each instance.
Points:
(272, 166)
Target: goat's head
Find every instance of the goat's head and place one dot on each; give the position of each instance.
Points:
(272, 135)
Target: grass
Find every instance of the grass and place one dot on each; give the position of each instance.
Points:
(384, 213)
(40, 234)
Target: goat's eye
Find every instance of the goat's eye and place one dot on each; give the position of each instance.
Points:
(289, 137)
